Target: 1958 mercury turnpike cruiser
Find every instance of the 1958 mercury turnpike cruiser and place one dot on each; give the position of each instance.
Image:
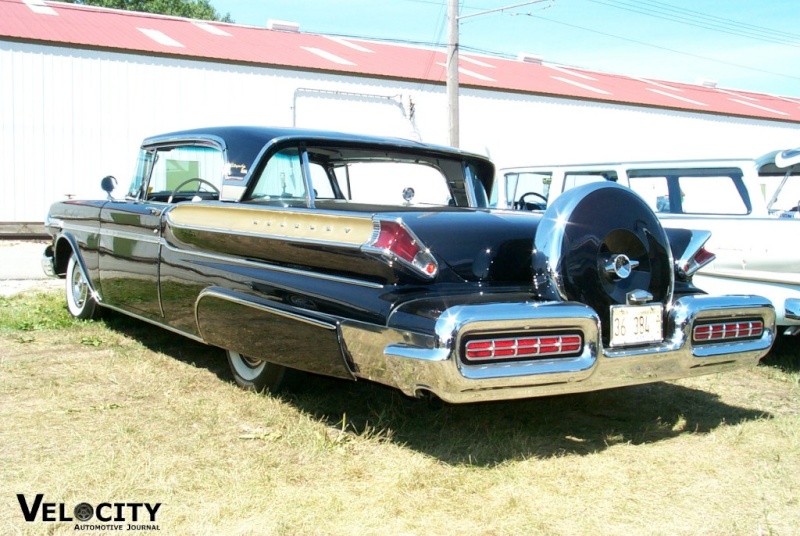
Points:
(380, 259)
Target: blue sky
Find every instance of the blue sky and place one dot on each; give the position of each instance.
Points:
(751, 45)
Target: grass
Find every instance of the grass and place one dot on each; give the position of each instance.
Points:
(120, 411)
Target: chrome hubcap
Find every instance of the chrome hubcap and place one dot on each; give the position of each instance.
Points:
(250, 361)
(620, 266)
(79, 287)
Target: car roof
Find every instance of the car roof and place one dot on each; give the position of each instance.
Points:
(262, 135)
(244, 144)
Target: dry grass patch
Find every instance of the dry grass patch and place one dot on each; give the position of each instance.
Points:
(120, 411)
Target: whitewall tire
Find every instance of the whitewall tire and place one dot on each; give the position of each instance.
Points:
(80, 302)
(258, 375)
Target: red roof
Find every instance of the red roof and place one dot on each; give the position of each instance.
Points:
(56, 23)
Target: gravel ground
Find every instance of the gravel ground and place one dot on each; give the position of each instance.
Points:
(20, 267)
(10, 287)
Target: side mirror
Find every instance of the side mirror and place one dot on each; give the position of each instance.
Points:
(108, 184)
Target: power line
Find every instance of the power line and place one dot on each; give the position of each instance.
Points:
(651, 8)
(727, 27)
(720, 20)
(698, 56)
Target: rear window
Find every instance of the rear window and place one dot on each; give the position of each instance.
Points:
(366, 175)
(393, 183)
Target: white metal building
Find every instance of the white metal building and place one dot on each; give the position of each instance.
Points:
(80, 87)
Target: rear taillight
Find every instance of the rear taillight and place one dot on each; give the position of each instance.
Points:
(528, 347)
(394, 241)
(728, 331)
(688, 267)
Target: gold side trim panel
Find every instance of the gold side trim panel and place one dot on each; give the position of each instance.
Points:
(284, 223)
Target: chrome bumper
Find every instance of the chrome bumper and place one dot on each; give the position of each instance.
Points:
(48, 262)
(418, 364)
(792, 309)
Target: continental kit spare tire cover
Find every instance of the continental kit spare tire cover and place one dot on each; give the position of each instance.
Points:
(599, 242)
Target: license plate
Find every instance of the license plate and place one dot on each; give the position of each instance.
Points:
(636, 324)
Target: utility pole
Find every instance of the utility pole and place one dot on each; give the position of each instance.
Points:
(452, 62)
(452, 71)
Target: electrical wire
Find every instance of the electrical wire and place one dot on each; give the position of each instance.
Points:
(657, 9)
(697, 56)
(728, 27)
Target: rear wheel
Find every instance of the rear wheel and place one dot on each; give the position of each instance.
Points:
(80, 302)
(258, 375)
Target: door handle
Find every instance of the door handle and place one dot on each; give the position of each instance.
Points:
(154, 211)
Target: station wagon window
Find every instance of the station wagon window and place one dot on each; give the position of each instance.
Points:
(518, 184)
(787, 198)
(653, 190)
(692, 191)
(171, 171)
(579, 178)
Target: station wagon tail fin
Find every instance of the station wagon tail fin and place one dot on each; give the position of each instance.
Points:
(688, 249)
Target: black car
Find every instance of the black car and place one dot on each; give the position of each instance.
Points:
(380, 259)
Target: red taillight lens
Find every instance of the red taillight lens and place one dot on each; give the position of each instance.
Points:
(728, 331)
(498, 349)
(394, 240)
(696, 262)
(703, 257)
(393, 237)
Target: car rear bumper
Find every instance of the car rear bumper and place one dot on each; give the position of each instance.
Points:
(782, 292)
(419, 364)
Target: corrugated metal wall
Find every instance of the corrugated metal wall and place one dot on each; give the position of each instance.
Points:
(68, 117)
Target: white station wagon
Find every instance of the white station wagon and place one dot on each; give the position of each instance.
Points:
(749, 205)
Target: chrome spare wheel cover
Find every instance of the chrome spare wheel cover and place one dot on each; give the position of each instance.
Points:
(600, 244)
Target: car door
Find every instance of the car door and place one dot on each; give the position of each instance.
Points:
(130, 242)
(169, 172)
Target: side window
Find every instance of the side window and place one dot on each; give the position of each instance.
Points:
(654, 190)
(789, 196)
(519, 184)
(281, 178)
(710, 195)
(692, 190)
(194, 171)
(321, 182)
(143, 167)
(573, 179)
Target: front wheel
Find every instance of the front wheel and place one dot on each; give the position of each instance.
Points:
(259, 375)
(80, 302)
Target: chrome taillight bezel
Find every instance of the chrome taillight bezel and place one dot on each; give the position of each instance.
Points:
(498, 348)
(727, 330)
